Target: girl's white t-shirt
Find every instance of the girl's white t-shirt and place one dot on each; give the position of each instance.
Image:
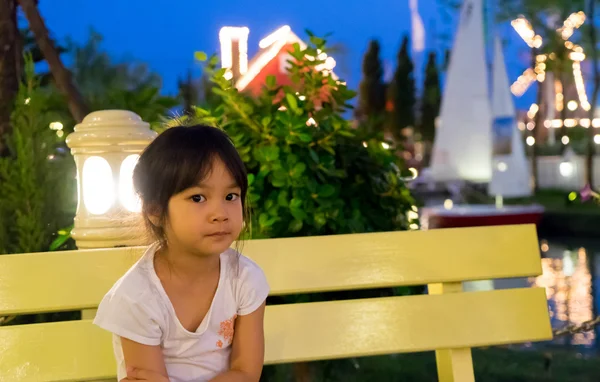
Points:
(138, 308)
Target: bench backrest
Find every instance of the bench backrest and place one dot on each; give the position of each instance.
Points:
(444, 320)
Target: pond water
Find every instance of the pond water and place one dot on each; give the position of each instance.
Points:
(571, 269)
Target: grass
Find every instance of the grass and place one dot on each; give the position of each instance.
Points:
(558, 201)
(491, 365)
(553, 200)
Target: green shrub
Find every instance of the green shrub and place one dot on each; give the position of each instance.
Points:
(310, 171)
(37, 178)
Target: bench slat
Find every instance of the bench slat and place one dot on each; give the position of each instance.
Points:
(304, 332)
(56, 281)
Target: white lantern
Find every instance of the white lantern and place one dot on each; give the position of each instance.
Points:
(106, 147)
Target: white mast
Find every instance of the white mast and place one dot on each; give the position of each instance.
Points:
(463, 148)
(511, 173)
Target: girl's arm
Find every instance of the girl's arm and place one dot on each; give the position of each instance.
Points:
(140, 357)
(248, 349)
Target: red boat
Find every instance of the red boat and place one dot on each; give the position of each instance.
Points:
(479, 215)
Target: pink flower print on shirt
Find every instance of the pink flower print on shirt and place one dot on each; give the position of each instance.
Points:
(226, 329)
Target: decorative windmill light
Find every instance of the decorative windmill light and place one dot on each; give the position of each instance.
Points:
(523, 27)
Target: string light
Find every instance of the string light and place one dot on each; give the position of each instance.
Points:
(227, 35)
(385, 145)
(271, 46)
(523, 27)
(572, 122)
(580, 86)
(597, 139)
(530, 126)
(530, 141)
(279, 34)
(559, 98)
(519, 87)
(572, 105)
(261, 62)
(585, 122)
(574, 21)
(525, 30)
(565, 140)
(533, 109)
(27, 100)
(56, 126)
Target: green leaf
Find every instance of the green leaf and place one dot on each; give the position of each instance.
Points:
(298, 213)
(314, 155)
(200, 56)
(292, 159)
(280, 174)
(305, 137)
(296, 203)
(278, 183)
(266, 121)
(283, 198)
(317, 41)
(271, 81)
(253, 198)
(295, 225)
(265, 220)
(326, 190)
(269, 203)
(250, 179)
(320, 219)
(271, 153)
(292, 103)
(298, 170)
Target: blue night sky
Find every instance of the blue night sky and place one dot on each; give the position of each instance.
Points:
(165, 34)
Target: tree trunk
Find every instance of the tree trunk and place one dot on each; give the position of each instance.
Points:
(61, 75)
(9, 81)
(594, 50)
(538, 125)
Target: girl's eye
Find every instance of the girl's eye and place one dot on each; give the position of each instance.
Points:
(198, 198)
(232, 197)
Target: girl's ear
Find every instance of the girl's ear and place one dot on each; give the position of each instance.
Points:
(153, 213)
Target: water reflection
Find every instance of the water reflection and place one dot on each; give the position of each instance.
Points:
(570, 277)
(568, 282)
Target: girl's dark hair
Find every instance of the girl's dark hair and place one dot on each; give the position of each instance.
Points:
(177, 159)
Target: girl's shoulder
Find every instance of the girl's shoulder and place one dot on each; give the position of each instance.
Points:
(131, 308)
(251, 286)
(137, 284)
(241, 267)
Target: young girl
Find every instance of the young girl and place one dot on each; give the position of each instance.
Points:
(191, 309)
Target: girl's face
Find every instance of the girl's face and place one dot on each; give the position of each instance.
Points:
(206, 218)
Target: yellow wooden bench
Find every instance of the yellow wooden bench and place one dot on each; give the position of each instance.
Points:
(446, 321)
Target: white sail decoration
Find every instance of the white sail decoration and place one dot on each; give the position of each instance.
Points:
(418, 30)
(511, 175)
(463, 148)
